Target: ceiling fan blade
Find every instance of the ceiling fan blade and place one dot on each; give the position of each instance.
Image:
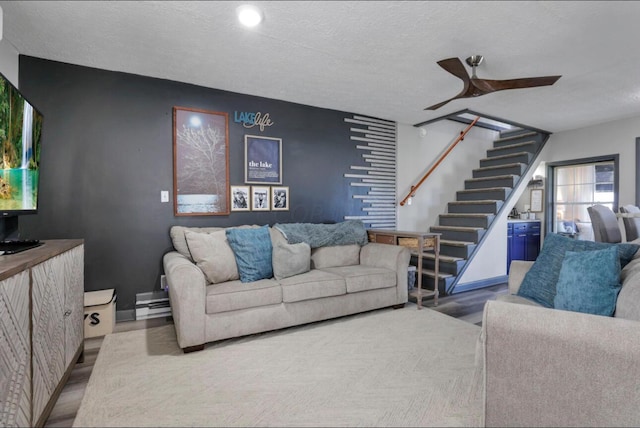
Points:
(455, 67)
(527, 82)
(437, 106)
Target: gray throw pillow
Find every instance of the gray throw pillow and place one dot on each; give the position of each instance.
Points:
(291, 259)
(212, 253)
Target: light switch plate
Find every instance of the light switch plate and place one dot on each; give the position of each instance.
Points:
(164, 196)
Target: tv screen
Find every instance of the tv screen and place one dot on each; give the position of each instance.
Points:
(20, 132)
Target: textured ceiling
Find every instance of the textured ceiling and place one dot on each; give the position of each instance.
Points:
(376, 58)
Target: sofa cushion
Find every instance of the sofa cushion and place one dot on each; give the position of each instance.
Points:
(335, 255)
(212, 253)
(312, 285)
(290, 259)
(362, 278)
(253, 251)
(179, 240)
(235, 295)
(628, 303)
(589, 282)
(539, 284)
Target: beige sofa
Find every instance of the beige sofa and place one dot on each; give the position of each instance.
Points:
(548, 367)
(340, 280)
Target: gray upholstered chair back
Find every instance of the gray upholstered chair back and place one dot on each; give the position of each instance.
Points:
(605, 224)
(631, 224)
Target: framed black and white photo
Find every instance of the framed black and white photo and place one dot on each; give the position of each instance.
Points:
(280, 198)
(262, 160)
(240, 198)
(260, 198)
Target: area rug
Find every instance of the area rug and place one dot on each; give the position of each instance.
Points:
(403, 367)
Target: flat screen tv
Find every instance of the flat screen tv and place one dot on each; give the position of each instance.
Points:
(20, 132)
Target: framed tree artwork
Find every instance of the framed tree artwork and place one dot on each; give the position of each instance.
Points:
(200, 162)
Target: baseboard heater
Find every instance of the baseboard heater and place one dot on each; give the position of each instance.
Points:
(154, 304)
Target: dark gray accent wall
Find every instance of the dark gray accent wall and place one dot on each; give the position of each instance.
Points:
(107, 152)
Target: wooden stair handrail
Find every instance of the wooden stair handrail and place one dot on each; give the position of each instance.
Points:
(412, 192)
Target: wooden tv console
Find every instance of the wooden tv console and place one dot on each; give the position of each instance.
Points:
(41, 316)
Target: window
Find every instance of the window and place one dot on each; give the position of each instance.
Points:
(577, 186)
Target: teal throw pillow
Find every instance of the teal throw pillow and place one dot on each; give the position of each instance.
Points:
(539, 284)
(252, 250)
(589, 282)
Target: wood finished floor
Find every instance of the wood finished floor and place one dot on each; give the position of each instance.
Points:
(467, 306)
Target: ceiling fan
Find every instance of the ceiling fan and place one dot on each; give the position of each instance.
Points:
(474, 86)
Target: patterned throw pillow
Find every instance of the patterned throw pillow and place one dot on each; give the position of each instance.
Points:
(253, 251)
(539, 284)
(589, 282)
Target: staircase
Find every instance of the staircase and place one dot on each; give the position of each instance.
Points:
(470, 217)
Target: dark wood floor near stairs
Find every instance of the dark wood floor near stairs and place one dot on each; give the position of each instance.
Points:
(467, 306)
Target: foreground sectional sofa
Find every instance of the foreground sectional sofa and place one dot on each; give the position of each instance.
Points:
(210, 302)
(552, 367)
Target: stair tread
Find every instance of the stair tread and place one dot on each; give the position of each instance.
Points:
(507, 165)
(484, 189)
(508, 155)
(432, 273)
(479, 201)
(513, 137)
(460, 228)
(456, 243)
(443, 258)
(510, 146)
(493, 177)
(462, 215)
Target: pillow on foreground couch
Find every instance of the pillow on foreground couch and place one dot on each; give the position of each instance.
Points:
(541, 280)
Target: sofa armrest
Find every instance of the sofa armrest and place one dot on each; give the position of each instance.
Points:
(547, 367)
(517, 270)
(392, 257)
(187, 295)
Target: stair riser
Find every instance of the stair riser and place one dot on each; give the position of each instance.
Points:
(456, 250)
(521, 158)
(515, 170)
(466, 221)
(522, 139)
(479, 208)
(445, 267)
(510, 150)
(513, 133)
(459, 235)
(498, 195)
(483, 184)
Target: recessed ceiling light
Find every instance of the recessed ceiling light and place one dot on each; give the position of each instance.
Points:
(249, 15)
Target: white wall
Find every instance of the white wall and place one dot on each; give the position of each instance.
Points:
(618, 137)
(417, 153)
(9, 61)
